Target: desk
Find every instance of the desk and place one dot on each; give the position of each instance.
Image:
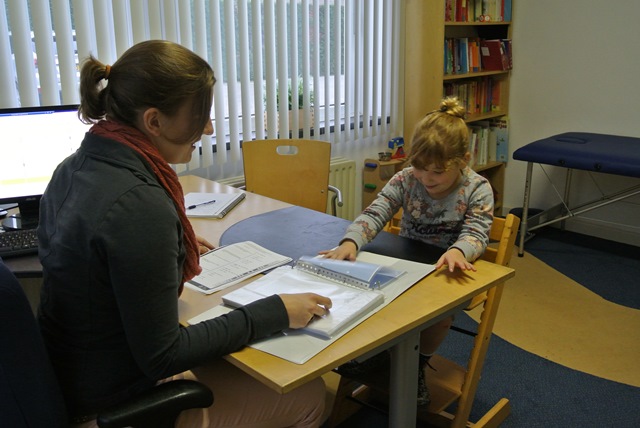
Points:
(396, 326)
(610, 154)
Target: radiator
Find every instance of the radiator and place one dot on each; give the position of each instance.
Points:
(342, 175)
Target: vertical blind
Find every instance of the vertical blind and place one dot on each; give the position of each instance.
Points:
(335, 61)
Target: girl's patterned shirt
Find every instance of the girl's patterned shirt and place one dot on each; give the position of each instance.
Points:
(461, 220)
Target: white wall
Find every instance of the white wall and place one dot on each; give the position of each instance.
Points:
(576, 68)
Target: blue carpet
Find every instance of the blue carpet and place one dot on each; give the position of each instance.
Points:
(542, 393)
(609, 269)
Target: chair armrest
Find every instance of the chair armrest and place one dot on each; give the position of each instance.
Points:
(338, 195)
(157, 407)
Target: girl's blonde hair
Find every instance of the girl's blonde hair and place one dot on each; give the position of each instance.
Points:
(441, 137)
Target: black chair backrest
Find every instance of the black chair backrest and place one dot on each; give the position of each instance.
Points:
(29, 391)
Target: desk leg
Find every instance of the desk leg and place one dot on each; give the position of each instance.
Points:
(404, 382)
(525, 209)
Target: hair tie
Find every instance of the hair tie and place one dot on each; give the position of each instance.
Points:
(443, 108)
(107, 71)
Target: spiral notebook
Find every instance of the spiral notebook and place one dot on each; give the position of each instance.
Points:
(351, 286)
(212, 205)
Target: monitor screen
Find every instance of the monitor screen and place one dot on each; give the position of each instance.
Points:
(33, 141)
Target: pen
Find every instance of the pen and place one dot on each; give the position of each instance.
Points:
(190, 207)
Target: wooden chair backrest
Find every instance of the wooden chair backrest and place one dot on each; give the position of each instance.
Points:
(293, 171)
(503, 234)
(502, 238)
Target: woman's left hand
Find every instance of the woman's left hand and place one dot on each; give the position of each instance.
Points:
(204, 245)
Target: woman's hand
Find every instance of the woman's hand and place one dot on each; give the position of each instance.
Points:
(204, 245)
(454, 258)
(302, 307)
(345, 251)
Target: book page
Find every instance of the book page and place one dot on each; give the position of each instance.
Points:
(233, 263)
(348, 302)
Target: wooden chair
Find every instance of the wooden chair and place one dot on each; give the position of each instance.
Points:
(293, 171)
(451, 383)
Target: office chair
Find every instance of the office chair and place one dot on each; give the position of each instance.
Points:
(449, 382)
(29, 391)
(293, 171)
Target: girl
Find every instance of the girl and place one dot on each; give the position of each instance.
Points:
(445, 203)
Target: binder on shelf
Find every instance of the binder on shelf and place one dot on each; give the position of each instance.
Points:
(493, 55)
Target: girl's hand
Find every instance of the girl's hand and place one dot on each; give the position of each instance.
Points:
(454, 259)
(345, 251)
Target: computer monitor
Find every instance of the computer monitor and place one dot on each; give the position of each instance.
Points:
(33, 141)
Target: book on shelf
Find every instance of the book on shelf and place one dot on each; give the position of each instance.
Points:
(489, 141)
(353, 287)
(477, 10)
(212, 205)
(230, 264)
(501, 129)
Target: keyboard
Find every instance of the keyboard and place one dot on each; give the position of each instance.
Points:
(18, 242)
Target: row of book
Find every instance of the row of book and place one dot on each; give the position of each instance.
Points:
(477, 10)
(472, 54)
(478, 96)
(489, 141)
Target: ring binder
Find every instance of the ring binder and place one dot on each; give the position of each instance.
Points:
(359, 274)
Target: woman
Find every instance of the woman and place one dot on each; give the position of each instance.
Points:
(116, 248)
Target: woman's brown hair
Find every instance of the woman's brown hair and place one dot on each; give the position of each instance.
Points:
(155, 73)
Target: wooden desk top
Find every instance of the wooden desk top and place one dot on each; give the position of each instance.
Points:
(435, 296)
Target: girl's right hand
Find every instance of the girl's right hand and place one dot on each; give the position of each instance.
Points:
(345, 251)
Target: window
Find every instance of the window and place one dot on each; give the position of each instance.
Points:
(335, 60)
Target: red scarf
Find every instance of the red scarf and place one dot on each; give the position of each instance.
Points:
(136, 140)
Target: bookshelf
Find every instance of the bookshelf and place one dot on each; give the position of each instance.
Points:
(427, 34)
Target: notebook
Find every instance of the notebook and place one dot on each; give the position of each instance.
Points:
(212, 205)
(351, 286)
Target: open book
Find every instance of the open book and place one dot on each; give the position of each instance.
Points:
(212, 205)
(228, 265)
(351, 286)
(298, 346)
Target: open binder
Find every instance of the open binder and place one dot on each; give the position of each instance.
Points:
(359, 274)
(298, 346)
(351, 286)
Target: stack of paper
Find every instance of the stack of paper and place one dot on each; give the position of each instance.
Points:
(233, 263)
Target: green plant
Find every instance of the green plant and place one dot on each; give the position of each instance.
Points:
(300, 81)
